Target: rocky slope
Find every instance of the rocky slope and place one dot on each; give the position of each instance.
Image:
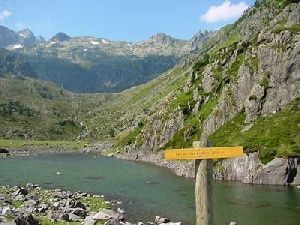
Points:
(37, 206)
(247, 73)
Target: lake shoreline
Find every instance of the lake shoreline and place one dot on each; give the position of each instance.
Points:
(33, 204)
(269, 174)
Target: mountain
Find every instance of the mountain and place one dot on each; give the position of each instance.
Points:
(88, 64)
(11, 40)
(60, 37)
(242, 89)
(27, 38)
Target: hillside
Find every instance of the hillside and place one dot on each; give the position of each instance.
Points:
(39, 110)
(243, 89)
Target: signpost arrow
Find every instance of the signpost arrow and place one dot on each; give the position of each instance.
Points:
(203, 156)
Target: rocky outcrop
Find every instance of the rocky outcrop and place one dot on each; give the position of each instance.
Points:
(264, 90)
(250, 170)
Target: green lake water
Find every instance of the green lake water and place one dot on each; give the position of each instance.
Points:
(147, 191)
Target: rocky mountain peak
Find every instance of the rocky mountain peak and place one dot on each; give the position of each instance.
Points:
(26, 33)
(60, 37)
(199, 38)
(162, 38)
(26, 37)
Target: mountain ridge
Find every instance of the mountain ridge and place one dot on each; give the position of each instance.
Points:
(89, 64)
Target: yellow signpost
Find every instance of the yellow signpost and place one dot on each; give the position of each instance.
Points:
(204, 174)
(203, 153)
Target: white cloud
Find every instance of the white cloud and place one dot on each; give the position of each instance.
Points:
(225, 11)
(4, 14)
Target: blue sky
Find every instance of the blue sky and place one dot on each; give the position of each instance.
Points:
(127, 20)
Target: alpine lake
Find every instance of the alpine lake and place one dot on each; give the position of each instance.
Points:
(147, 191)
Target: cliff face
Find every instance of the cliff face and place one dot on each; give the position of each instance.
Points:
(250, 170)
(250, 68)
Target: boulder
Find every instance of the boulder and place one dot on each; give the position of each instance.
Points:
(74, 218)
(161, 220)
(64, 217)
(89, 220)
(79, 212)
(21, 191)
(107, 214)
(26, 220)
(30, 203)
(7, 211)
(79, 205)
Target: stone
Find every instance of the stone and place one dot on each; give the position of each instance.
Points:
(21, 191)
(80, 205)
(89, 220)
(60, 194)
(171, 223)
(53, 216)
(30, 203)
(26, 220)
(232, 223)
(7, 211)
(56, 205)
(122, 211)
(74, 218)
(106, 214)
(64, 217)
(79, 212)
(160, 220)
(32, 185)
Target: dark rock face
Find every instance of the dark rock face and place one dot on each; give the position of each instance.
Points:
(60, 37)
(7, 37)
(3, 150)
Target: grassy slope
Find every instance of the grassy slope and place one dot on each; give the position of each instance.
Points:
(99, 113)
(276, 135)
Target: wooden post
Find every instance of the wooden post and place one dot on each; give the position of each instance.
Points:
(203, 188)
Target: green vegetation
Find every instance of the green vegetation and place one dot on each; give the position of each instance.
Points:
(15, 143)
(11, 107)
(16, 203)
(264, 82)
(132, 136)
(46, 221)
(233, 70)
(295, 28)
(276, 135)
(192, 127)
(94, 203)
(232, 40)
